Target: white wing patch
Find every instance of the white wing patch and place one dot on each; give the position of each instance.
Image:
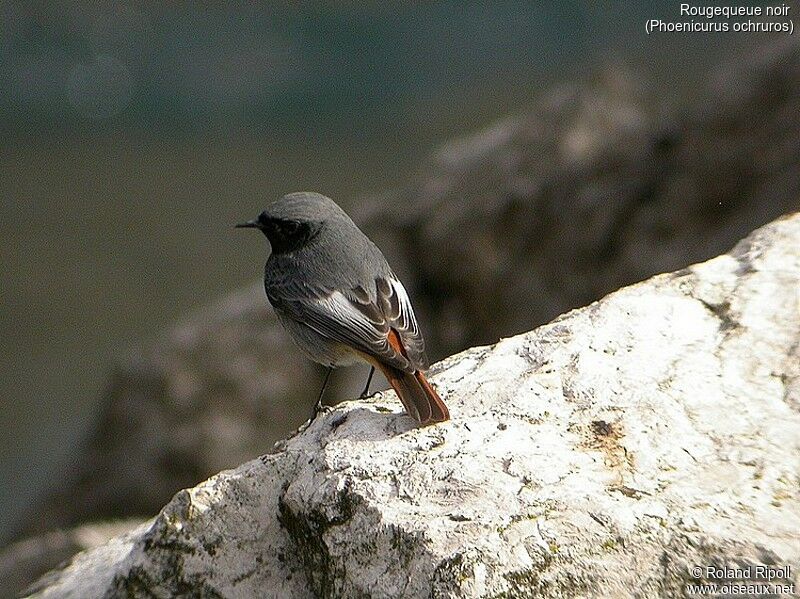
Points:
(408, 321)
(351, 317)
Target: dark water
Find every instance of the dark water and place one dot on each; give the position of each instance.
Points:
(133, 137)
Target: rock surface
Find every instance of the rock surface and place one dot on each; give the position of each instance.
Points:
(25, 561)
(603, 454)
(595, 186)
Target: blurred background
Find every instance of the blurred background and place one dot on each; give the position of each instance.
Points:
(135, 134)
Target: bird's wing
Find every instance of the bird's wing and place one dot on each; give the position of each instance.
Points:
(400, 316)
(359, 318)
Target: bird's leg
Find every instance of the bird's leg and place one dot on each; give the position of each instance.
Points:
(318, 405)
(365, 392)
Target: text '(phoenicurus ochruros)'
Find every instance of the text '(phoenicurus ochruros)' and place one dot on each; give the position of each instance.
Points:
(336, 295)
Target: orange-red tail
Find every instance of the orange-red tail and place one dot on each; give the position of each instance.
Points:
(417, 395)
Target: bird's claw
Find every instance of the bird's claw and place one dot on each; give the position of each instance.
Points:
(319, 408)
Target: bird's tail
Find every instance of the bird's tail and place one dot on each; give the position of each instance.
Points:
(417, 395)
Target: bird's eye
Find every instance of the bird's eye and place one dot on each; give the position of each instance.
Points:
(290, 227)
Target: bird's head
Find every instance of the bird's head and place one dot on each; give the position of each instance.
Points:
(294, 220)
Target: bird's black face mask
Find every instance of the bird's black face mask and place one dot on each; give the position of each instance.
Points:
(288, 235)
(284, 234)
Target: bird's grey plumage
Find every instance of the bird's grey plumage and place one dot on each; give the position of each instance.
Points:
(336, 291)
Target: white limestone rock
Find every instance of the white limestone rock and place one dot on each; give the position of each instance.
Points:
(604, 454)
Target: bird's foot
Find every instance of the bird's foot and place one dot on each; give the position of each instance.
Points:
(319, 408)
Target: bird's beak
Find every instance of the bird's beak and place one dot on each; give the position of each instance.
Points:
(251, 224)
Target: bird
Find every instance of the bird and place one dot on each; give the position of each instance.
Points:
(337, 297)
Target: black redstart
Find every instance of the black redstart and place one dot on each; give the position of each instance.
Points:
(336, 295)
